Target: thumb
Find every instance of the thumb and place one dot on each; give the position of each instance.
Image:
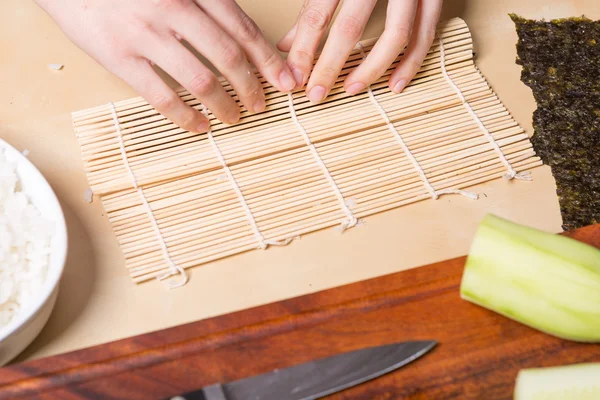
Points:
(285, 43)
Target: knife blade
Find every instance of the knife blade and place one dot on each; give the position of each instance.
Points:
(318, 378)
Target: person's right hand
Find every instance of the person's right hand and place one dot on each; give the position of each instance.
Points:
(127, 36)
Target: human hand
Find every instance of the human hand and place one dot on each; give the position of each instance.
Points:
(126, 37)
(409, 23)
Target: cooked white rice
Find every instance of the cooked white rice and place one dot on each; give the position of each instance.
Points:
(24, 246)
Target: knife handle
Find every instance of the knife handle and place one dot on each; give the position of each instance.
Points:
(212, 392)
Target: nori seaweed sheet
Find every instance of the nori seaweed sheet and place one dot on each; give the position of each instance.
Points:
(561, 65)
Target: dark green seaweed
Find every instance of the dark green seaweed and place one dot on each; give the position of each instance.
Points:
(561, 65)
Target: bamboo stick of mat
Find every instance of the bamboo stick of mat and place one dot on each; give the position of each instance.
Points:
(177, 199)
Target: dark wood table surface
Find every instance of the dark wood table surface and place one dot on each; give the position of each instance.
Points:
(478, 356)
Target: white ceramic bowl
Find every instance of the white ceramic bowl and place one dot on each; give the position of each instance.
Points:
(28, 324)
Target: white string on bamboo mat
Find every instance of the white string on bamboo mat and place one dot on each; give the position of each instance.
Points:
(351, 220)
(512, 173)
(175, 269)
(263, 243)
(435, 194)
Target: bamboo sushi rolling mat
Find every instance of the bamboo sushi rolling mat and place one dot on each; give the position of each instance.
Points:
(177, 199)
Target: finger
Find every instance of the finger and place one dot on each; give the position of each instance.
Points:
(242, 29)
(145, 81)
(285, 43)
(395, 37)
(183, 66)
(345, 33)
(426, 20)
(312, 24)
(199, 30)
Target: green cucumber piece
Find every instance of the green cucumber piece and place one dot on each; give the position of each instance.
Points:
(548, 282)
(571, 382)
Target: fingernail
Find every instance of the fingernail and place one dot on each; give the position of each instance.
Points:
(299, 77)
(316, 94)
(356, 88)
(259, 106)
(399, 86)
(202, 127)
(232, 119)
(287, 81)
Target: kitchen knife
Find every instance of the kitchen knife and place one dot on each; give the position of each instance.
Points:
(318, 378)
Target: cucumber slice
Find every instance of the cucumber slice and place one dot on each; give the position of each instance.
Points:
(548, 282)
(572, 382)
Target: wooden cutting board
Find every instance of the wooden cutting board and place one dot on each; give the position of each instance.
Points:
(478, 356)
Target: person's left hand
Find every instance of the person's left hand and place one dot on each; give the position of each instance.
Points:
(409, 23)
